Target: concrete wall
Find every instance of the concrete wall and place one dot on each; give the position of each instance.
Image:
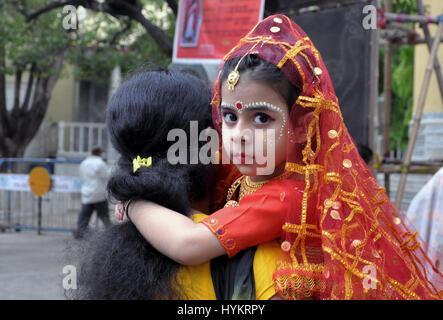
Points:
(61, 108)
(62, 104)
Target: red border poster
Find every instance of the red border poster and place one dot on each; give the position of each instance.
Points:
(207, 29)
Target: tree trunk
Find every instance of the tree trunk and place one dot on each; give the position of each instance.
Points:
(24, 122)
(3, 112)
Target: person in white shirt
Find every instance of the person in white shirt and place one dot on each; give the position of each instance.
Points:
(94, 175)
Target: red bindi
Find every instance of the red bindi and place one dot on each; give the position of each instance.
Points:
(239, 105)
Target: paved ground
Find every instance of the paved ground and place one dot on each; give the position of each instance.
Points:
(31, 265)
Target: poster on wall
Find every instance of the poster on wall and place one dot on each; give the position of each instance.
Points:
(207, 29)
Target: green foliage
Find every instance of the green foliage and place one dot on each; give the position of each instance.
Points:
(26, 43)
(94, 55)
(402, 93)
(404, 6)
(89, 47)
(402, 82)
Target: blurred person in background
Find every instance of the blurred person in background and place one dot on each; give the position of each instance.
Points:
(94, 175)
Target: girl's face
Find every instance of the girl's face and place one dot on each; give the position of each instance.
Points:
(254, 128)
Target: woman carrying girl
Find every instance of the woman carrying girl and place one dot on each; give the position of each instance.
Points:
(118, 263)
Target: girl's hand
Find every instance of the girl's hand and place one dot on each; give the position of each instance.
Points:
(119, 211)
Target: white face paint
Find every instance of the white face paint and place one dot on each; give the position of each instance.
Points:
(254, 127)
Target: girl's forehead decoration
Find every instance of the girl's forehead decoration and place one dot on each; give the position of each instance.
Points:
(239, 106)
(234, 75)
(232, 79)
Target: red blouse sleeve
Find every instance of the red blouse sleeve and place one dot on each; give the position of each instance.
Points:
(258, 219)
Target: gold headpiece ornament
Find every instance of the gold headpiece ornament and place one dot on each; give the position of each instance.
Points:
(139, 162)
(233, 78)
(234, 75)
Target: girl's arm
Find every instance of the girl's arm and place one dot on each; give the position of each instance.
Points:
(174, 234)
(258, 219)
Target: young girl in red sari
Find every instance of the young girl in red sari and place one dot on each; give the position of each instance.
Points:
(341, 237)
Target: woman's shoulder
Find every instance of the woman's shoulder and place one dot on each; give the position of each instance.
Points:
(198, 216)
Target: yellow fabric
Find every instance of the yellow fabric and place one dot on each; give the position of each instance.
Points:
(195, 282)
(264, 267)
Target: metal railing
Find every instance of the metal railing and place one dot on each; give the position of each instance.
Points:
(76, 139)
(19, 207)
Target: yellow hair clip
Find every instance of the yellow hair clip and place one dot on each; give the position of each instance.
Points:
(138, 162)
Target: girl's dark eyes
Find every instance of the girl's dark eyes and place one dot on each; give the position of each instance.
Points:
(229, 117)
(261, 118)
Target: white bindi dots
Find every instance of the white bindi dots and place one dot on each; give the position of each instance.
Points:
(240, 106)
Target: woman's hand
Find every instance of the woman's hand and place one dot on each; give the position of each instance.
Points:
(174, 234)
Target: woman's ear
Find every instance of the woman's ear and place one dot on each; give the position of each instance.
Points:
(301, 127)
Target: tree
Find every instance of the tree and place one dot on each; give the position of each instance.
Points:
(131, 9)
(402, 82)
(37, 49)
(34, 46)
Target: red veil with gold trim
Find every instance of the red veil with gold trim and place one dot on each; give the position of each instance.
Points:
(348, 242)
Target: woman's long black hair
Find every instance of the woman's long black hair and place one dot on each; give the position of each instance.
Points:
(118, 263)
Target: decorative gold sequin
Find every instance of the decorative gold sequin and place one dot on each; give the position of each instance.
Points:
(356, 243)
(336, 205)
(318, 71)
(328, 202)
(397, 220)
(278, 20)
(275, 29)
(375, 253)
(332, 134)
(327, 274)
(335, 215)
(311, 154)
(282, 196)
(347, 163)
(285, 246)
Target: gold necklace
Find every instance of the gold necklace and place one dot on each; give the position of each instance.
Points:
(247, 186)
(232, 189)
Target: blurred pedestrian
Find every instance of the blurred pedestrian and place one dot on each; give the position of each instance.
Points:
(94, 175)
